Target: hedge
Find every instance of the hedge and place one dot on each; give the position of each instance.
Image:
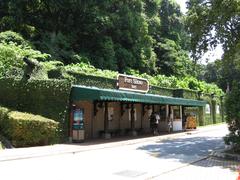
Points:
(3, 116)
(24, 129)
(88, 80)
(49, 98)
(186, 93)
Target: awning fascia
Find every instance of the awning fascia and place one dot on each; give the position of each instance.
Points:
(82, 93)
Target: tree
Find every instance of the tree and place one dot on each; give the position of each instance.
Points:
(94, 29)
(218, 21)
(211, 22)
(109, 34)
(13, 48)
(214, 73)
(166, 26)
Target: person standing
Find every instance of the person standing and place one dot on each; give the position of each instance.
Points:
(154, 120)
(170, 123)
(157, 123)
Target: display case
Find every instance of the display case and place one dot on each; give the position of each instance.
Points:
(78, 125)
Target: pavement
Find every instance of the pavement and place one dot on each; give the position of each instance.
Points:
(183, 155)
(58, 149)
(208, 168)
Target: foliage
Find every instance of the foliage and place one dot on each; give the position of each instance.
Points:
(57, 45)
(204, 16)
(88, 69)
(12, 50)
(214, 73)
(166, 26)
(115, 35)
(232, 106)
(24, 129)
(45, 97)
(3, 116)
(172, 60)
(158, 80)
(231, 76)
(8, 37)
(210, 23)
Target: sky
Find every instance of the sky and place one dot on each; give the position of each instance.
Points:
(212, 55)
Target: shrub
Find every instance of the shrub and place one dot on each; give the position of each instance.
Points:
(24, 129)
(13, 37)
(232, 106)
(3, 116)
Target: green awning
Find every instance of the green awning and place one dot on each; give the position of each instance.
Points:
(79, 93)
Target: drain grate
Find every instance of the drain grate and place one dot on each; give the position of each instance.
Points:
(130, 173)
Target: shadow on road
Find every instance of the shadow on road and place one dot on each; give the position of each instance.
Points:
(186, 150)
(193, 146)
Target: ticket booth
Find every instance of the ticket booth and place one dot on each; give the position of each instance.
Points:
(78, 125)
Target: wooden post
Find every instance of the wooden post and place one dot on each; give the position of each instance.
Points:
(106, 118)
(201, 112)
(153, 109)
(222, 108)
(132, 118)
(142, 115)
(181, 112)
(167, 112)
(71, 122)
(119, 118)
(133, 121)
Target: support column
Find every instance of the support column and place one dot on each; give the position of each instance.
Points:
(133, 132)
(214, 111)
(181, 112)
(201, 112)
(222, 109)
(153, 108)
(142, 115)
(167, 112)
(107, 135)
(72, 108)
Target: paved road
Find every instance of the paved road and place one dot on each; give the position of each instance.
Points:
(159, 159)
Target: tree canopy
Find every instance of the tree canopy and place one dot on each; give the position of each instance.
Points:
(218, 21)
(211, 22)
(145, 35)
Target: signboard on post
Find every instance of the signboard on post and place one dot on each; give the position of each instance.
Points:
(132, 83)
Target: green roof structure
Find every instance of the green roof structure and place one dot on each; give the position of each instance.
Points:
(79, 93)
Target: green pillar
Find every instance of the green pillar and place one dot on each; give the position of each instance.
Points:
(201, 112)
(213, 109)
(222, 108)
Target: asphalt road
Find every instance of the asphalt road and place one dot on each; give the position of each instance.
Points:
(159, 159)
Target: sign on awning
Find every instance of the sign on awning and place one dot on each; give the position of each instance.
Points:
(132, 83)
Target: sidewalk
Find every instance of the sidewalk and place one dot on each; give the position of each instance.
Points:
(33, 152)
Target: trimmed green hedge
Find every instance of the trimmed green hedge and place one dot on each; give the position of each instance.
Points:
(186, 93)
(161, 91)
(49, 98)
(88, 80)
(208, 119)
(24, 129)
